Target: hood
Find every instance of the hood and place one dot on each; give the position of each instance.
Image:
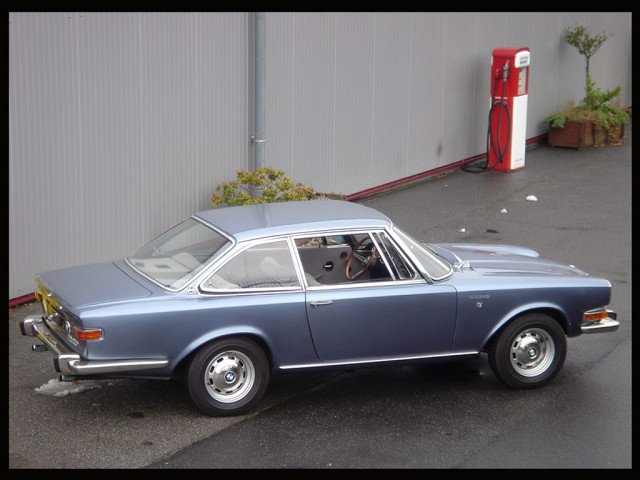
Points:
(501, 259)
(93, 284)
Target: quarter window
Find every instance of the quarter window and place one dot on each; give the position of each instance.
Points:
(436, 267)
(266, 266)
(399, 266)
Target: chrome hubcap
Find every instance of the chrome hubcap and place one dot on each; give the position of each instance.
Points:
(532, 352)
(229, 376)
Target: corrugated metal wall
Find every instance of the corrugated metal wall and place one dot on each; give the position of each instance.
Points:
(121, 124)
(356, 100)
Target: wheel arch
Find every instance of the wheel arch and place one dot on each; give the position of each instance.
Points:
(182, 362)
(553, 311)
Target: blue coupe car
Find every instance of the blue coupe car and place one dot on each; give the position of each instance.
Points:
(231, 296)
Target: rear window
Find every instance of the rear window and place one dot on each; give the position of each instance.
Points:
(177, 255)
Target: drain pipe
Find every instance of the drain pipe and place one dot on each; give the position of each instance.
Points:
(260, 89)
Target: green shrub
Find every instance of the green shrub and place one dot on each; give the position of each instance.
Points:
(264, 185)
(605, 116)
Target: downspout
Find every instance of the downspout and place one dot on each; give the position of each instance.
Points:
(260, 74)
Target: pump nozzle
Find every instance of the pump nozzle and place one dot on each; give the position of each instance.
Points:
(505, 71)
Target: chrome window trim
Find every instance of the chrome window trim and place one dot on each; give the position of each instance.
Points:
(297, 264)
(213, 227)
(400, 249)
(406, 250)
(359, 284)
(386, 283)
(249, 291)
(381, 251)
(421, 277)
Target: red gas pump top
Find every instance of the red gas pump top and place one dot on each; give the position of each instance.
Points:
(517, 58)
(508, 52)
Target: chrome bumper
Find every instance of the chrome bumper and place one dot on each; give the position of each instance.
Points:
(69, 363)
(609, 324)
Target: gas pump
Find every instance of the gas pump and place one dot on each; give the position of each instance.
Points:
(506, 133)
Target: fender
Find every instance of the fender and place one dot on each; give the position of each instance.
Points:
(226, 331)
(555, 310)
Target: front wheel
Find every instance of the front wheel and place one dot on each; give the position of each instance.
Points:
(529, 352)
(228, 377)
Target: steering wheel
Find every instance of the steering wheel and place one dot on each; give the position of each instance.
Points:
(366, 261)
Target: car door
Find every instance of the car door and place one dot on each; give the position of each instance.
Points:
(257, 291)
(387, 314)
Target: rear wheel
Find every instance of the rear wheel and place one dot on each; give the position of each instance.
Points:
(228, 377)
(529, 352)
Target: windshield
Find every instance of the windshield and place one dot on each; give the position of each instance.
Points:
(433, 264)
(176, 256)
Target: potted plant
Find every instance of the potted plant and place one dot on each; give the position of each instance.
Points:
(596, 121)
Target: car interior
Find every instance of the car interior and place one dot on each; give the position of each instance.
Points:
(340, 259)
(326, 260)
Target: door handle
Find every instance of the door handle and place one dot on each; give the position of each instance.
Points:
(320, 303)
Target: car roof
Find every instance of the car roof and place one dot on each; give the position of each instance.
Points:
(250, 222)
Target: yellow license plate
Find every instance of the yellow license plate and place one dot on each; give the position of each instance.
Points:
(45, 298)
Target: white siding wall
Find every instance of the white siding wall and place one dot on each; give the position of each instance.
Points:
(121, 124)
(356, 100)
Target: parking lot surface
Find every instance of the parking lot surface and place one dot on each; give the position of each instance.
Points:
(433, 416)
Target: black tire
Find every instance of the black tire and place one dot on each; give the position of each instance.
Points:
(529, 352)
(228, 377)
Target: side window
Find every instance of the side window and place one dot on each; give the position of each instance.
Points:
(335, 260)
(265, 266)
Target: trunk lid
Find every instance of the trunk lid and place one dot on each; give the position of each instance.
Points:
(93, 284)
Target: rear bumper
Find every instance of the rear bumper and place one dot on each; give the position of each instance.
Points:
(609, 324)
(71, 364)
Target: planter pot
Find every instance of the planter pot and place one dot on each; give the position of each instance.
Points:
(572, 135)
(611, 137)
(583, 135)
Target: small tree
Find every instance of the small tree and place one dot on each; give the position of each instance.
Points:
(596, 106)
(586, 44)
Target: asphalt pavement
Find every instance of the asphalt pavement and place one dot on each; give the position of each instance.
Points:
(569, 205)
